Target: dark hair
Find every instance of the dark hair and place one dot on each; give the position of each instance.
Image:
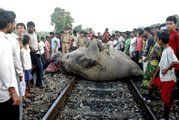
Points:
(52, 33)
(82, 32)
(30, 23)
(163, 25)
(113, 35)
(25, 39)
(13, 15)
(42, 38)
(164, 36)
(5, 18)
(21, 24)
(172, 18)
(141, 32)
(74, 31)
(47, 37)
(148, 29)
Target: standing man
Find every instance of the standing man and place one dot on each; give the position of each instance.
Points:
(81, 40)
(105, 36)
(54, 43)
(174, 40)
(13, 38)
(9, 95)
(35, 54)
(66, 41)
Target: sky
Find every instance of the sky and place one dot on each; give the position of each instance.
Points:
(119, 15)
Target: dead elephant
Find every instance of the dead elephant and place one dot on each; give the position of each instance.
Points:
(94, 63)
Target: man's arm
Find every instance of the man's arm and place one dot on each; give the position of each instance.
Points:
(7, 73)
(173, 64)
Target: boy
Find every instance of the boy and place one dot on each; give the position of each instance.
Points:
(171, 23)
(166, 72)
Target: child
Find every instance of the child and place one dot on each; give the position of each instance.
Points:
(166, 72)
(26, 62)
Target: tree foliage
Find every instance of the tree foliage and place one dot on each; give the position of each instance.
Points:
(42, 34)
(78, 28)
(177, 20)
(155, 25)
(61, 19)
(87, 30)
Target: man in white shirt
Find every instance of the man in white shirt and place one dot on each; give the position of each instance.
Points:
(132, 46)
(54, 43)
(35, 53)
(17, 61)
(9, 95)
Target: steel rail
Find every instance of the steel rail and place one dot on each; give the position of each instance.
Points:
(150, 115)
(54, 109)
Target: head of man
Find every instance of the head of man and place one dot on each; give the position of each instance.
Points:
(171, 23)
(66, 31)
(7, 19)
(47, 38)
(52, 34)
(30, 27)
(147, 31)
(13, 24)
(20, 27)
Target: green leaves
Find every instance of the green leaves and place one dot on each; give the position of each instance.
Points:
(61, 19)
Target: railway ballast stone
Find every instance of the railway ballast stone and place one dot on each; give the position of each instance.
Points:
(95, 63)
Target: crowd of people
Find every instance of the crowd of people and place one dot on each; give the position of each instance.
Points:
(23, 54)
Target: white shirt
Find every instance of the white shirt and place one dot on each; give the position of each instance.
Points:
(26, 59)
(121, 42)
(41, 47)
(7, 71)
(116, 45)
(33, 42)
(74, 44)
(167, 58)
(16, 53)
(111, 47)
(132, 44)
(54, 43)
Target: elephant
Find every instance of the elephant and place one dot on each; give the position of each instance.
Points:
(94, 62)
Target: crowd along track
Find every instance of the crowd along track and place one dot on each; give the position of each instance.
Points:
(91, 100)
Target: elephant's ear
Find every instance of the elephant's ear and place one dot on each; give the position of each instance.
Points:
(85, 62)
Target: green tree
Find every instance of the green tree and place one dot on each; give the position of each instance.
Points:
(177, 20)
(61, 19)
(42, 34)
(155, 25)
(78, 28)
(87, 30)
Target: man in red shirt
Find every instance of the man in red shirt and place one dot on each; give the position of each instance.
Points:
(106, 36)
(174, 40)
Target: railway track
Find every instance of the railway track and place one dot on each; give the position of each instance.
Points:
(100, 101)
